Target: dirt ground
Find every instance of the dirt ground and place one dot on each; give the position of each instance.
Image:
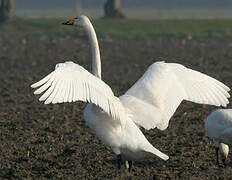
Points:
(52, 141)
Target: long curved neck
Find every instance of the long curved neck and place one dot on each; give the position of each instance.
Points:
(96, 59)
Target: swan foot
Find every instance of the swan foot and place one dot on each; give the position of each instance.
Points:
(224, 161)
(217, 155)
(130, 165)
(217, 159)
(126, 165)
(119, 160)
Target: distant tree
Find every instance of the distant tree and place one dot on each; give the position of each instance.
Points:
(77, 9)
(112, 9)
(7, 10)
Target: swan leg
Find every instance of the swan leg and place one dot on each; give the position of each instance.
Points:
(224, 161)
(130, 165)
(119, 160)
(217, 155)
(126, 164)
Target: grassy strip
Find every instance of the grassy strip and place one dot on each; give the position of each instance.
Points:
(129, 28)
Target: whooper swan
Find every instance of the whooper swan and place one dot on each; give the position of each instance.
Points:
(149, 103)
(218, 126)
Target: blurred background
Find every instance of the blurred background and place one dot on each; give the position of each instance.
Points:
(145, 9)
(40, 141)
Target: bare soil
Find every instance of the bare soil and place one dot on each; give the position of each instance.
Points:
(40, 141)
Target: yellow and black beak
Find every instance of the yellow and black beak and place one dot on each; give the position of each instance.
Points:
(70, 22)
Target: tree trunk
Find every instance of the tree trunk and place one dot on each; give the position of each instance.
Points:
(112, 9)
(7, 10)
(77, 9)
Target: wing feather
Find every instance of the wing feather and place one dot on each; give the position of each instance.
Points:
(165, 86)
(42, 81)
(45, 86)
(67, 92)
(70, 82)
(49, 91)
(56, 93)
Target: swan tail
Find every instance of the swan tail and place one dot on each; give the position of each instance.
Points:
(158, 153)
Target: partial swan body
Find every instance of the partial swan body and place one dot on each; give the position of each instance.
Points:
(218, 126)
(149, 103)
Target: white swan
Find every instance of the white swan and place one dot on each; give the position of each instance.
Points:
(218, 126)
(149, 103)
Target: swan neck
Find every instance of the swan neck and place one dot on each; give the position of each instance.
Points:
(96, 60)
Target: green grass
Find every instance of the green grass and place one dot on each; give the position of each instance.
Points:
(163, 28)
(128, 28)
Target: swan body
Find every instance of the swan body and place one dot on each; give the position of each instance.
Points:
(218, 126)
(149, 103)
(128, 140)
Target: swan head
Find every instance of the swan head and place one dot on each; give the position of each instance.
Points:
(224, 150)
(78, 21)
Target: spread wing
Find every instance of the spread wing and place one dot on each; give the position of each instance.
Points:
(154, 98)
(70, 82)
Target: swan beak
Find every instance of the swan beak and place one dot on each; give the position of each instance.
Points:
(70, 22)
